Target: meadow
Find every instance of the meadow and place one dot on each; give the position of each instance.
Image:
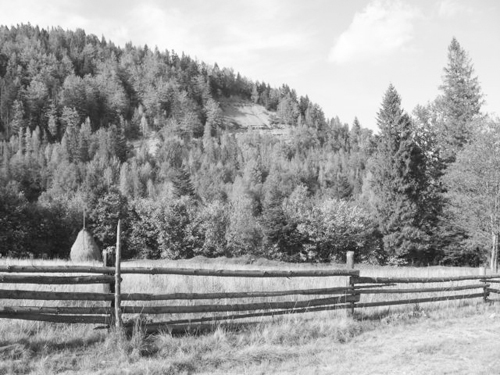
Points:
(287, 344)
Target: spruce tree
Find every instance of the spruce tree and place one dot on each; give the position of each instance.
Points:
(281, 238)
(398, 184)
(460, 102)
(182, 183)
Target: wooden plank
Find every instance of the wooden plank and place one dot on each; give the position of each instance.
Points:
(54, 296)
(37, 279)
(491, 281)
(237, 273)
(493, 290)
(409, 280)
(235, 307)
(57, 318)
(419, 300)
(57, 269)
(232, 295)
(420, 290)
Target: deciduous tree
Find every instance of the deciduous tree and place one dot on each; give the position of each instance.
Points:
(473, 183)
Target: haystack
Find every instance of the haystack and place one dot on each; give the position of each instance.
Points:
(85, 248)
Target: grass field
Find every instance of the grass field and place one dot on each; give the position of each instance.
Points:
(460, 333)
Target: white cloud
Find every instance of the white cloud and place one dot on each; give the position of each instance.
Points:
(374, 33)
(452, 8)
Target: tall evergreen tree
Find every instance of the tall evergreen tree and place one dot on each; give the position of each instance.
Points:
(398, 184)
(182, 183)
(460, 102)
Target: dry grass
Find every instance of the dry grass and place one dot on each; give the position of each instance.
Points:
(385, 340)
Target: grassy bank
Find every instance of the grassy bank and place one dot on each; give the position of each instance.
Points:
(295, 344)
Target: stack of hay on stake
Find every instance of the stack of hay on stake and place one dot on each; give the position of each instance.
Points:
(85, 248)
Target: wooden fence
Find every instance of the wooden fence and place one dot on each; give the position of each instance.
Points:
(107, 308)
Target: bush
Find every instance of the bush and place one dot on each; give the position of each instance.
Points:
(330, 228)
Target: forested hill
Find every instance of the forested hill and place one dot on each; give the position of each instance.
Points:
(79, 117)
(198, 160)
(135, 88)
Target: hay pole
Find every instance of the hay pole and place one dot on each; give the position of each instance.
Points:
(493, 290)
(118, 314)
(37, 279)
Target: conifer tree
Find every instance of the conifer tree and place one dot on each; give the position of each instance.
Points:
(182, 183)
(398, 183)
(460, 102)
(281, 238)
(18, 122)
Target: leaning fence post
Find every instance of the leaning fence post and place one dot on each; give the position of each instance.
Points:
(118, 317)
(350, 266)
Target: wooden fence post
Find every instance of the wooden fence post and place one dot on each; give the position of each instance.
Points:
(108, 261)
(482, 272)
(118, 317)
(350, 266)
(106, 288)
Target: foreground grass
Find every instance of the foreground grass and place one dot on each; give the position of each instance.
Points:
(418, 341)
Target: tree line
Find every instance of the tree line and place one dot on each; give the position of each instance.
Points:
(89, 128)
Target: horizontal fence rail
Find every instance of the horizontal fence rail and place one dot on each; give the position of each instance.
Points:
(420, 290)
(213, 319)
(61, 280)
(54, 296)
(419, 300)
(80, 296)
(237, 273)
(411, 280)
(50, 318)
(178, 271)
(57, 269)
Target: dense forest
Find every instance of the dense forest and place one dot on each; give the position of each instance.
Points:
(89, 129)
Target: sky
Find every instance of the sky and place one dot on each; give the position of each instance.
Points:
(341, 54)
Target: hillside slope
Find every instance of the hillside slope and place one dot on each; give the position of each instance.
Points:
(241, 115)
